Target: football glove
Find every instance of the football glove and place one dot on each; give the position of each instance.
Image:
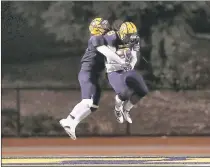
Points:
(136, 47)
(127, 67)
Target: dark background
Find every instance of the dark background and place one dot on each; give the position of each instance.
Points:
(42, 43)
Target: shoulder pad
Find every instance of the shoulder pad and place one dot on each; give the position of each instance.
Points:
(97, 40)
(110, 37)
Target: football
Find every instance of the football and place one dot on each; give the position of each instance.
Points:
(123, 52)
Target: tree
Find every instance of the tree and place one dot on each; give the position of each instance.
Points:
(168, 30)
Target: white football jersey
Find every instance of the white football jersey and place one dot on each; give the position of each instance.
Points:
(126, 54)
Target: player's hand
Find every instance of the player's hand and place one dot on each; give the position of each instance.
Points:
(136, 47)
(127, 67)
(134, 38)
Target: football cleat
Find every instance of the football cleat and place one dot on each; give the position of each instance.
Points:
(119, 115)
(68, 127)
(127, 116)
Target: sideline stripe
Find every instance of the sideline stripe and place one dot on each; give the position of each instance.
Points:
(107, 161)
(29, 157)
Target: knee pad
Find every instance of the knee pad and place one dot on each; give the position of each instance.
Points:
(89, 104)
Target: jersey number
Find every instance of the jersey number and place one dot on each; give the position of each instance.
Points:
(110, 33)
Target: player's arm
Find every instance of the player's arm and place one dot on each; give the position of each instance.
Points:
(109, 54)
(134, 59)
(135, 52)
(99, 43)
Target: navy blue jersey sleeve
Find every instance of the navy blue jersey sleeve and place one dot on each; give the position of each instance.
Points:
(97, 41)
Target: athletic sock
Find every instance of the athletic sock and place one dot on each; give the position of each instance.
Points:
(128, 105)
(79, 112)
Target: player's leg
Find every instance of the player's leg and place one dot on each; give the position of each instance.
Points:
(127, 95)
(135, 82)
(91, 93)
(85, 107)
(128, 105)
(79, 112)
(96, 94)
(122, 93)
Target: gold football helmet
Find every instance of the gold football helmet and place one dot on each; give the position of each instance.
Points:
(126, 30)
(99, 26)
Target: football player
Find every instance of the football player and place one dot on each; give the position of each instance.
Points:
(92, 64)
(127, 83)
